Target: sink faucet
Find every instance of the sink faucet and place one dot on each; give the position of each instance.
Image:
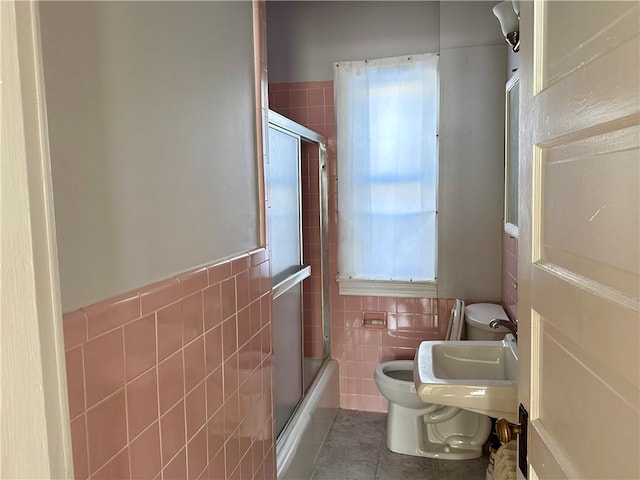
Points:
(500, 322)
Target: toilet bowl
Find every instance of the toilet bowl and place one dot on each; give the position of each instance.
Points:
(423, 429)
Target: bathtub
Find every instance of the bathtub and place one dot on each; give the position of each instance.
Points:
(302, 439)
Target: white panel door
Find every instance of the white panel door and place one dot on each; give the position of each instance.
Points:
(579, 241)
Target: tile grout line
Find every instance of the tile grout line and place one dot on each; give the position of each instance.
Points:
(381, 443)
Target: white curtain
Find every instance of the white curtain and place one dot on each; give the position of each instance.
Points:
(387, 117)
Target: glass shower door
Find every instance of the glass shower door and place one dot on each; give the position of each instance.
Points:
(285, 240)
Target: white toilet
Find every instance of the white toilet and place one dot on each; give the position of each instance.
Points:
(425, 429)
(429, 430)
(477, 318)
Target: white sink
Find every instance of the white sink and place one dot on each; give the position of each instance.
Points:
(481, 376)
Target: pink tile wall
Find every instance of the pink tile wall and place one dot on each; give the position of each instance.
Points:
(360, 349)
(510, 275)
(308, 103)
(409, 321)
(174, 380)
(312, 286)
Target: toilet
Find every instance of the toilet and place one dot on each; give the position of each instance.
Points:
(437, 431)
(477, 318)
(425, 429)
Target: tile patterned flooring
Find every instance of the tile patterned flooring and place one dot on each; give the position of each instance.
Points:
(355, 449)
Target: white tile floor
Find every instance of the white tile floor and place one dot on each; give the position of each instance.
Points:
(355, 450)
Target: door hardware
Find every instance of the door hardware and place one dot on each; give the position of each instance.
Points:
(508, 431)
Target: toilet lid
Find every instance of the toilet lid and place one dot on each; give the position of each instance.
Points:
(480, 314)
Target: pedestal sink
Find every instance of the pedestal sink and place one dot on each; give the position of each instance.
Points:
(480, 376)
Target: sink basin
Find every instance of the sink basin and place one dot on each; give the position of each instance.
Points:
(480, 376)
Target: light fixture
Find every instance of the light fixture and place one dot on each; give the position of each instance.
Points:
(507, 14)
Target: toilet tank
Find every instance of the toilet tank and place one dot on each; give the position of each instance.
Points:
(477, 317)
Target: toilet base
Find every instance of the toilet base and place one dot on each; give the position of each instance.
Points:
(459, 438)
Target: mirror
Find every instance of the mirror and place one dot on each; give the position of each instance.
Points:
(511, 156)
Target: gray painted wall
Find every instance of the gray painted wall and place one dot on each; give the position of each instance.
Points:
(151, 115)
(471, 172)
(468, 24)
(305, 38)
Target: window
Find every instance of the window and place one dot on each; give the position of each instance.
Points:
(387, 116)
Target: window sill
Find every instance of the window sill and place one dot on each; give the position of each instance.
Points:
(387, 288)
